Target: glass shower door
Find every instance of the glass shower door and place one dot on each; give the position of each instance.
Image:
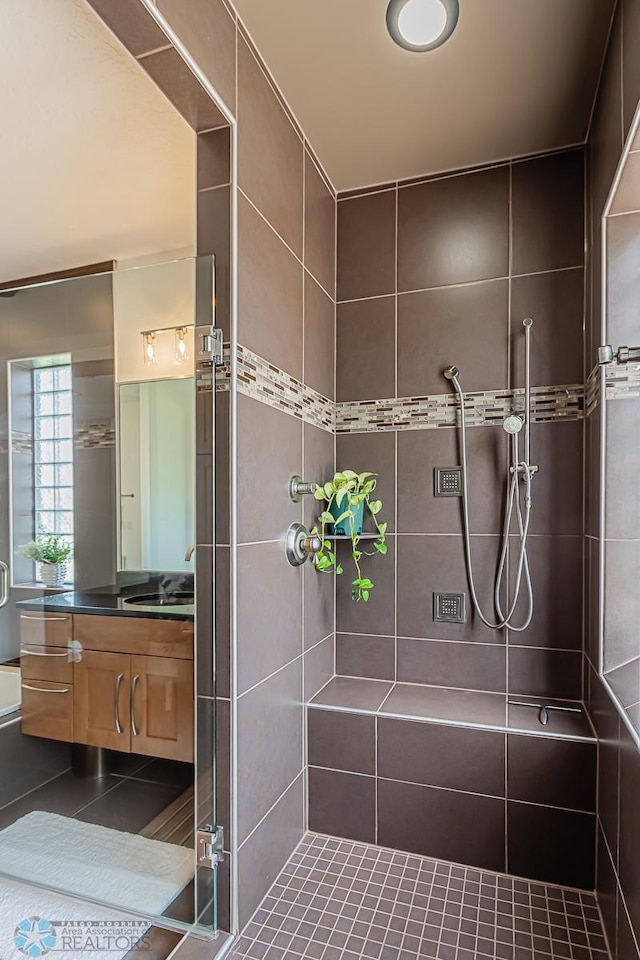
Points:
(107, 734)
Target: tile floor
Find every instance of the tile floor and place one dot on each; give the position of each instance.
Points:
(340, 900)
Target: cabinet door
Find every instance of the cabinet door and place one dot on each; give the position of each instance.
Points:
(162, 707)
(101, 686)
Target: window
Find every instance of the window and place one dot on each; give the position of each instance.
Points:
(53, 452)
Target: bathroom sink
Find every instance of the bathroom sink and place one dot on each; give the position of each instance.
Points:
(161, 600)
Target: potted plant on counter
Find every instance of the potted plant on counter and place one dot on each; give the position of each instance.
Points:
(51, 554)
(348, 499)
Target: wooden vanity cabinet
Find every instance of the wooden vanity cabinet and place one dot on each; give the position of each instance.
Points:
(123, 693)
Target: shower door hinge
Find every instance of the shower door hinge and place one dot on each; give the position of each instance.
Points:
(209, 346)
(210, 846)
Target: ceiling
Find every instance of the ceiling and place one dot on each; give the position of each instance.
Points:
(517, 77)
(95, 163)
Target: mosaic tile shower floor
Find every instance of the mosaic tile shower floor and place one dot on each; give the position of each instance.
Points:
(340, 900)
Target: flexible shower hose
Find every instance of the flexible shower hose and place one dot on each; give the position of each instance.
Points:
(523, 526)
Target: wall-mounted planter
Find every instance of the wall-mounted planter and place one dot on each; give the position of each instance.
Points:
(348, 525)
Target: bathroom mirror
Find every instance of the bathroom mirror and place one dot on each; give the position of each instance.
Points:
(156, 452)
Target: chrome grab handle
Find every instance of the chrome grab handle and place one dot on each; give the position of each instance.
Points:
(26, 686)
(4, 588)
(28, 616)
(134, 685)
(34, 653)
(119, 680)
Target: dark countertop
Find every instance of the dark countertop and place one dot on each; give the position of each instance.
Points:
(111, 601)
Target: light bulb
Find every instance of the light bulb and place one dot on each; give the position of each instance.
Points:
(181, 345)
(149, 348)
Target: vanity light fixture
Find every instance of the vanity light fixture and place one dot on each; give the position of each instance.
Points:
(182, 354)
(149, 338)
(422, 25)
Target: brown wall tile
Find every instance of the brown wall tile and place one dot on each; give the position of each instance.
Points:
(319, 338)
(169, 71)
(132, 24)
(342, 804)
(264, 470)
(454, 230)
(374, 453)
(436, 564)
(367, 246)
(421, 451)
(270, 294)
(459, 827)
(214, 158)
(548, 212)
(557, 773)
(270, 739)
(378, 615)
(555, 303)
(463, 325)
(544, 843)
(556, 570)
(545, 673)
(366, 350)
(442, 756)
(319, 228)
(366, 656)
(622, 461)
(267, 582)
(342, 741)
(270, 152)
(468, 666)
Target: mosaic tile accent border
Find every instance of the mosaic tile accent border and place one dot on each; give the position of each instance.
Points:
(340, 900)
(622, 383)
(94, 436)
(21, 442)
(265, 382)
(482, 408)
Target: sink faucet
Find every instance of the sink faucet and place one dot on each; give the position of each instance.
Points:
(190, 552)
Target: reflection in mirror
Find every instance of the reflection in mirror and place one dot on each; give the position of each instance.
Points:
(97, 660)
(156, 452)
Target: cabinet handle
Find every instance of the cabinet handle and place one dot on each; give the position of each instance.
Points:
(26, 686)
(134, 685)
(35, 653)
(27, 616)
(119, 680)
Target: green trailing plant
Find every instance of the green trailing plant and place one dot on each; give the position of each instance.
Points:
(343, 496)
(47, 548)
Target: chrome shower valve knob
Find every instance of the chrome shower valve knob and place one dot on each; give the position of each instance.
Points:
(300, 544)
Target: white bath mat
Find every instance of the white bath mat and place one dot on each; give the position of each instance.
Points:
(35, 924)
(117, 868)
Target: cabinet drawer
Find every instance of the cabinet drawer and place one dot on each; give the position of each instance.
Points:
(55, 629)
(135, 635)
(44, 662)
(47, 710)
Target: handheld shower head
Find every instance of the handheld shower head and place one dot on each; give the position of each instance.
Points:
(451, 372)
(513, 424)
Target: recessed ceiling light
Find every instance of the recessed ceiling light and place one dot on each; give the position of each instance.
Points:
(422, 24)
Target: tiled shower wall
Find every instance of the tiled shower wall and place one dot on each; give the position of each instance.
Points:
(439, 272)
(618, 869)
